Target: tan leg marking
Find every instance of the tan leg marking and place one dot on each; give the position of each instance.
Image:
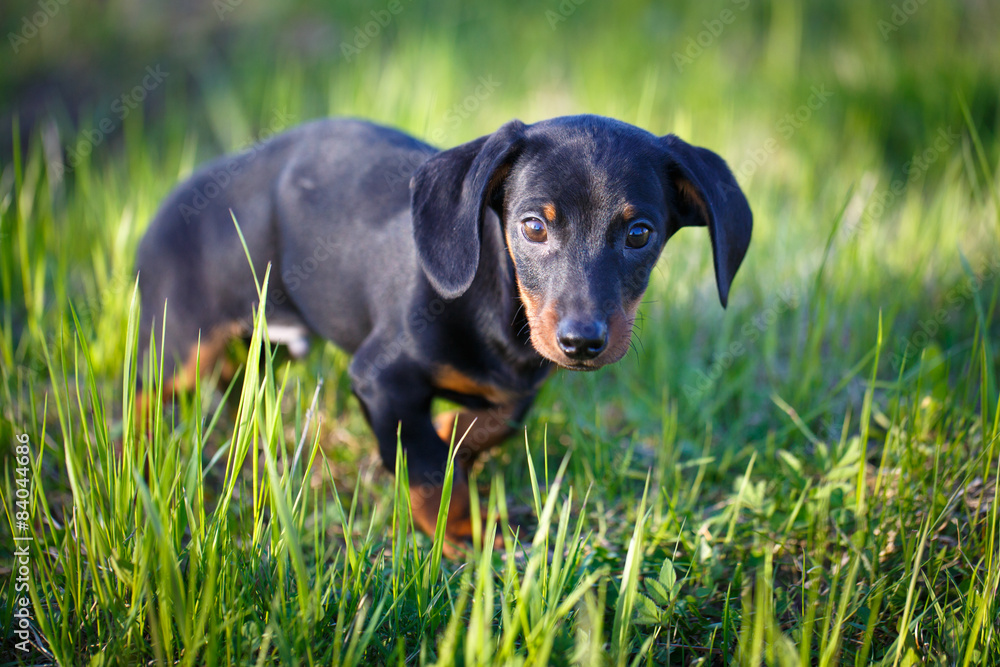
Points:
(425, 500)
(489, 428)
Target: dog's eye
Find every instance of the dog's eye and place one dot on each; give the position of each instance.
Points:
(534, 230)
(638, 235)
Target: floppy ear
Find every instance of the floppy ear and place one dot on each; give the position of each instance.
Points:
(449, 194)
(708, 195)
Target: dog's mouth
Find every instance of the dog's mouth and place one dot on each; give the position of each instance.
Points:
(579, 353)
(585, 341)
(563, 361)
(582, 365)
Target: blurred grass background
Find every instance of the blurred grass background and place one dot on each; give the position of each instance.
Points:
(856, 356)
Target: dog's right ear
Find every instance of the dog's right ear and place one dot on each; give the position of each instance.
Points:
(708, 195)
(449, 194)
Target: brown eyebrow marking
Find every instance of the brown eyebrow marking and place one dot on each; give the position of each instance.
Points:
(549, 210)
(628, 212)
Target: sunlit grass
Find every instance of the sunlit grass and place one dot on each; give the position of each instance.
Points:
(808, 477)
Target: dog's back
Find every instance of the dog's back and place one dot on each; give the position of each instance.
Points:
(344, 184)
(519, 250)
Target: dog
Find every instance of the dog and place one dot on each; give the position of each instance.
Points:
(468, 273)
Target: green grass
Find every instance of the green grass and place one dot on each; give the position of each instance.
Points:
(807, 477)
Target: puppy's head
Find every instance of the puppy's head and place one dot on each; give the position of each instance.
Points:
(587, 204)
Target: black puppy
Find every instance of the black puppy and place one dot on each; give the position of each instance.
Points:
(466, 274)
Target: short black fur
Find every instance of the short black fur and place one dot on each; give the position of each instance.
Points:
(417, 261)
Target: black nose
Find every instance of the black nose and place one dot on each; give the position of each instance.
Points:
(582, 340)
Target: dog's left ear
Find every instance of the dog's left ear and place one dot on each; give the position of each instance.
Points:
(449, 195)
(707, 195)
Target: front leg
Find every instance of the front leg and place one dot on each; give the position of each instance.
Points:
(396, 396)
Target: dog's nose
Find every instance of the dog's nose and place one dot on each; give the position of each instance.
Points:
(582, 340)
